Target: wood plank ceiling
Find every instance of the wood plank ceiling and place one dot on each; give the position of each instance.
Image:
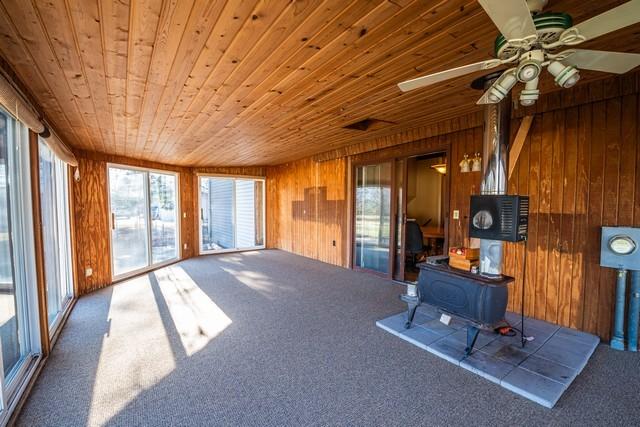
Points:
(250, 82)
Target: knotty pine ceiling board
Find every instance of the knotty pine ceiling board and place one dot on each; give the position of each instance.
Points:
(252, 82)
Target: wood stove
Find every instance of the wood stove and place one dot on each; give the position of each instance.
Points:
(481, 301)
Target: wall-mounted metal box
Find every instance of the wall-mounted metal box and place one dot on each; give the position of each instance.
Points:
(499, 217)
(620, 248)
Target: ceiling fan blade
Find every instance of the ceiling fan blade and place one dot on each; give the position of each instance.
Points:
(446, 75)
(512, 17)
(619, 17)
(599, 60)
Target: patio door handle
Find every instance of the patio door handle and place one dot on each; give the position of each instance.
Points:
(113, 221)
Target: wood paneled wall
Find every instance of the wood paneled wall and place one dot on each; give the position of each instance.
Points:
(307, 209)
(581, 169)
(580, 165)
(91, 219)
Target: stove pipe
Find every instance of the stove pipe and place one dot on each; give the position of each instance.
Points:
(494, 172)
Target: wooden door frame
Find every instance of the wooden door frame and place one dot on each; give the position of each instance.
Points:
(396, 210)
(354, 177)
(372, 159)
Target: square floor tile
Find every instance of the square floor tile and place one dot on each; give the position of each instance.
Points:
(533, 386)
(568, 352)
(516, 341)
(578, 336)
(513, 319)
(448, 348)
(487, 366)
(540, 325)
(420, 318)
(420, 336)
(506, 352)
(436, 326)
(549, 369)
(484, 338)
(429, 311)
(394, 323)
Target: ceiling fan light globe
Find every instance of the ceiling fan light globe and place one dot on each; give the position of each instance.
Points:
(572, 80)
(500, 89)
(528, 70)
(528, 97)
(566, 76)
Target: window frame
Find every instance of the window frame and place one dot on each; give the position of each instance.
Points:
(264, 212)
(147, 187)
(61, 185)
(23, 251)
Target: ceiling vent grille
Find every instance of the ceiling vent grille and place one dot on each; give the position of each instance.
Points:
(369, 124)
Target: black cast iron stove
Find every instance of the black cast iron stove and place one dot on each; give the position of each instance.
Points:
(480, 301)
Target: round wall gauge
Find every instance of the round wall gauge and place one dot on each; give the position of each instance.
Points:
(622, 245)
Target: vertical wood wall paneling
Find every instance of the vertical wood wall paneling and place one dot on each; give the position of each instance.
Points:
(307, 209)
(611, 183)
(34, 164)
(187, 214)
(91, 218)
(579, 166)
(567, 229)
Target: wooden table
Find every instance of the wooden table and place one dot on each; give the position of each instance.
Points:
(431, 232)
(433, 235)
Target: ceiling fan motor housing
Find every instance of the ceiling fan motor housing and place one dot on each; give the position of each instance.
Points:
(530, 66)
(549, 27)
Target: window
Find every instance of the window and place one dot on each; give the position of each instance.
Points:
(144, 218)
(56, 233)
(231, 214)
(19, 331)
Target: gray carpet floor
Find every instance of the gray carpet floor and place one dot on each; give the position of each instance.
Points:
(291, 341)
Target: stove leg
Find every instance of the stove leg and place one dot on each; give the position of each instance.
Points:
(411, 312)
(472, 336)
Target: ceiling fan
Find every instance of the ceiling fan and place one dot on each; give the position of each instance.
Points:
(529, 42)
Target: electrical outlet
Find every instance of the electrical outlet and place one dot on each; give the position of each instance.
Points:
(185, 246)
(88, 272)
(184, 214)
(456, 214)
(333, 242)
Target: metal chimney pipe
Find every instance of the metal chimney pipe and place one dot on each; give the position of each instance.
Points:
(497, 118)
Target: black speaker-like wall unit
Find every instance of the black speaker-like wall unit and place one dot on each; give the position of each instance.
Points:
(504, 218)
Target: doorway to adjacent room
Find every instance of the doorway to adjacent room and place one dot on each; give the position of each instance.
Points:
(399, 214)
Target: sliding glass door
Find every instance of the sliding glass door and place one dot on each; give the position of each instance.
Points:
(164, 217)
(56, 233)
(144, 218)
(372, 217)
(19, 321)
(129, 214)
(9, 322)
(231, 214)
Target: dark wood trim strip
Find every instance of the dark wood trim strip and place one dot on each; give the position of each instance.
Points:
(34, 162)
